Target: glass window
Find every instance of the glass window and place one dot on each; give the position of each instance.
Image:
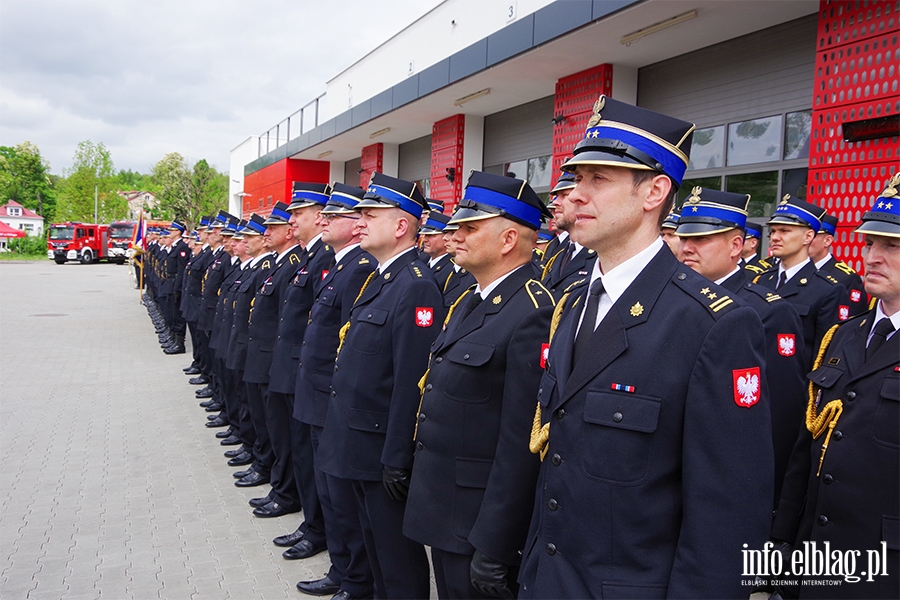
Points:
(539, 172)
(706, 148)
(425, 186)
(754, 141)
(797, 129)
(518, 169)
(712, 183)
(762, 187)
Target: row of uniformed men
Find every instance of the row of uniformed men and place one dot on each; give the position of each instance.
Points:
(666, 457)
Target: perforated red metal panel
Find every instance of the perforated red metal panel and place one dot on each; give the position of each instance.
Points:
(447, 137)
(372, 160)
(574, 100)
(274, 183)
(842, 22)
(856, 79)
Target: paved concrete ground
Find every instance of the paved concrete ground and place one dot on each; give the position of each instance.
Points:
(110, 485)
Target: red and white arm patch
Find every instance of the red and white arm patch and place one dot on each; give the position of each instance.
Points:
(746, 385)
(424, 316)
(787, 344)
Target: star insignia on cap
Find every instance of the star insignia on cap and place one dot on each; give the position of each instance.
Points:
(497, 299)
(888, 205)
(636, 310)
(881, 205)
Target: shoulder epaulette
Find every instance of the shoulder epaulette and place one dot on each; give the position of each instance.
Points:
(416, 270)
(844, 267)
(539, 295)
(713, 297)
(827, 277)
(754, 269)
(763, 292)
(765, 263)
(569, 288)
(363, 261)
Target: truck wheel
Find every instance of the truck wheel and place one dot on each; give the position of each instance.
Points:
(59, 261)
(87, 257)
(120, 261)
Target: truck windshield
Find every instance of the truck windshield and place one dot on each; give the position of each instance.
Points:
(61, 233)
(121, 232)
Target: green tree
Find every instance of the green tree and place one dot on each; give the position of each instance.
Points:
(25, 177)
(132, 180)
(92, 170)
(189, 192)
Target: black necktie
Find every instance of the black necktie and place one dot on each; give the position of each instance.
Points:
(781, 279)
(589, 321)
(566, 256)
(883, 328)
(471, 304)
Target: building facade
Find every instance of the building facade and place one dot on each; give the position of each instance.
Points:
(799, 98)
(18, 217)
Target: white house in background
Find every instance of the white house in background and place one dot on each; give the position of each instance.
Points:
(139, 201)
(18, 217)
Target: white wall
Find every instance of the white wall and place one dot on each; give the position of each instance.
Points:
(19, 223)
(446, 29)
(242, 154)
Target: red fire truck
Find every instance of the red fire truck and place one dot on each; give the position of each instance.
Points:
(88, 242)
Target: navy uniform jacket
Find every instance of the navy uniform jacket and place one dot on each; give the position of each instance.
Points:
(473, 479)
(246, 283)
(850, 279)
(264, 316)
(785, 365)
(456, 284)
(330, 311)
(221, 327)
(176, 261)
(558, 279)
(212, 281)
(296, 302)
(818, 298)
(853, 502)
(375, 391)
(441, 270)
(190, 302)
(659, 463)
(554, 247)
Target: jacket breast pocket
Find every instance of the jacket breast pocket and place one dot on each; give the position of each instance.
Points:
(802, 309)
(469, 361)
(888, 413)
(300, 279)
(367, 420)
(368, 330)
(618, 436)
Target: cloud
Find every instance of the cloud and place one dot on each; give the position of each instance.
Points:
(192, 76)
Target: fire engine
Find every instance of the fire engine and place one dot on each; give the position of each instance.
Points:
(88, 242)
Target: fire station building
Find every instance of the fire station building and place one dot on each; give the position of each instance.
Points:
(788, 96)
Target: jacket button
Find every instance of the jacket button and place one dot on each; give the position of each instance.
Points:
(828, 479)
(428, 388)
(551, 549)
(335, 368)
(823, 520)
(377, 426)
(617, 417)
(556, 459)
(851, 395)
(438, 359)
(369, 316)
(421, 417)
(540, 391)
(299, 364)
(838, 435)
(465, 357)
(333, 394)
(552, 504)
(561, 414)
(420, 446)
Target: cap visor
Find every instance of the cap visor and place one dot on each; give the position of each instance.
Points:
(595, 157)
(695, 229)
(468, 214)
(879, 228)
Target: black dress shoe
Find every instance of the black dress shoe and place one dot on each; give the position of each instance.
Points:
(319, 587)
(257, 502)
(244, 458)
(273, 509)
(234, 452)
(206, 403)
(345, 595)
(204, 393)
(191, 371)
(224, 434)
(214, 407)
(217, 423)
(231, 440)
(252, 480)
(288, 540)
(242, 474)
(199, 380)
(302, 549)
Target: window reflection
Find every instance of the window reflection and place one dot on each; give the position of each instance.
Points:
(706, 148)
(762, 187)
(754, 141)
(710, 183)
(798, 126)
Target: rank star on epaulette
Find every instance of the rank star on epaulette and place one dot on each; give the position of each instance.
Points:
(704, 291)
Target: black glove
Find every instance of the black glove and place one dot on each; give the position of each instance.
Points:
(489, 576)
(396, 482)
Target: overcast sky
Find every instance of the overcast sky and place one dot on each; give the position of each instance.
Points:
(149, 77)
